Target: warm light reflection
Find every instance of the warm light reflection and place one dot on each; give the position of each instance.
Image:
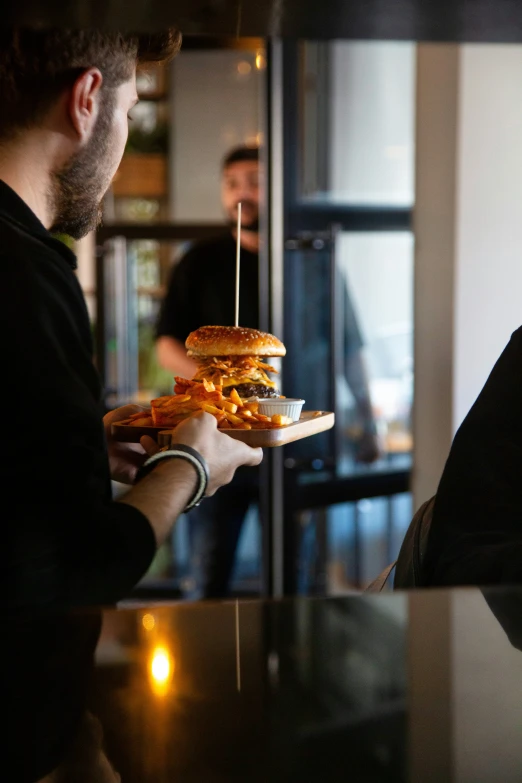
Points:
(160, 665)
(244, 67)
(148, 622)
(260, 61)
(161, 668)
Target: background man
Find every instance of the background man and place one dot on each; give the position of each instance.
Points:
(65, 97)
(202, 286)
(201, 292)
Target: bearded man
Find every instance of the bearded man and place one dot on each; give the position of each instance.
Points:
(65, 98)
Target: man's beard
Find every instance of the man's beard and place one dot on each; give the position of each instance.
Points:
(253, 225)
(79, 186)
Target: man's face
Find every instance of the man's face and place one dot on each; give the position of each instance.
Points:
(80, 185)
(241, 182)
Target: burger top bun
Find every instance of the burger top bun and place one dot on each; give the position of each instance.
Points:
(233, 341)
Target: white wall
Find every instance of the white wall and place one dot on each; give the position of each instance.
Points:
(488, 305)
(213, 107)
(434, 227)
(468, 228)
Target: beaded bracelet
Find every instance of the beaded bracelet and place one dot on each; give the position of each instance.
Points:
(181, 451)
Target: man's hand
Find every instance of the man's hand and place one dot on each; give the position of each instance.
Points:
(368, 448)
(163, 494)
(222, 453)
(124, 458)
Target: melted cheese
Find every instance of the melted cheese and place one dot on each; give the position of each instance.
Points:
(245, 379)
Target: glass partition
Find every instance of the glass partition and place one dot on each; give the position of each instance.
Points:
(377, 270)
(351, 301)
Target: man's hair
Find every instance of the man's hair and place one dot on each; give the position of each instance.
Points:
(240, 154)
(36, 65)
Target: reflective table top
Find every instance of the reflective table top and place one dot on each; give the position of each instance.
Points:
(421, 686)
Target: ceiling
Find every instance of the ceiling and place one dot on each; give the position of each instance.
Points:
(421, 20)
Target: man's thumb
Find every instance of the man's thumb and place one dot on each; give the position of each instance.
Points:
(149, 445)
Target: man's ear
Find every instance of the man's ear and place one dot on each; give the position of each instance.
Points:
(84, 102)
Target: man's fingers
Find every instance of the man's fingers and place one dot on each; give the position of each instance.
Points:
(253, 456)
(149, 445)
(122, 413)
(257, 456)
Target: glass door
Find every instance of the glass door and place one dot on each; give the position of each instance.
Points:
(348, 119)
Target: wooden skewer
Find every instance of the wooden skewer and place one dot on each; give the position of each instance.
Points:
(238, 252)
(238, 651)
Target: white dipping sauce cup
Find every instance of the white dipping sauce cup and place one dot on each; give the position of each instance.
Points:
(284, 406)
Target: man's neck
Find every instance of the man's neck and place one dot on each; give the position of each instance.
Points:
(29, 178)
(249, 240)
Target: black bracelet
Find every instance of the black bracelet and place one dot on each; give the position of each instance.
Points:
(181, 451)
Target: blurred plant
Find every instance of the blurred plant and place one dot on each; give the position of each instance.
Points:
(137, 208)
(148, 142)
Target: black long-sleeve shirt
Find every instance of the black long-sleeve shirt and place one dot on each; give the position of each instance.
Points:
(66, 541)
(202, 289)
(476, 532)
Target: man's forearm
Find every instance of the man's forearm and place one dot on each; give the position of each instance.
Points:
(357, 378)
(172, 356)
(163, 494)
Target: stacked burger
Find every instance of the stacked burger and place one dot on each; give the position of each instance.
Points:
(231, 376)
(232, 357)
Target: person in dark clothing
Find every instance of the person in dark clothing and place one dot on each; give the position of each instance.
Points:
(201, 292)
(476, 532)
(202, 286)
(65, 97)
(45, 679)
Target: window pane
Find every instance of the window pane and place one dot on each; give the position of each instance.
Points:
(378, 271)
(307, 367)
(359, 122)
(373, 333)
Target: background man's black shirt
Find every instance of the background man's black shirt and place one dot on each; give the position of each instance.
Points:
(67, 541)
(202, 289)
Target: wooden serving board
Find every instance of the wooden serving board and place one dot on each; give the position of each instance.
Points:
(310, 423)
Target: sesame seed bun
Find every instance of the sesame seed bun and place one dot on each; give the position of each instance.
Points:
(233, 341)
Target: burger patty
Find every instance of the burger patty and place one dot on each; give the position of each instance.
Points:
(252, 390)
